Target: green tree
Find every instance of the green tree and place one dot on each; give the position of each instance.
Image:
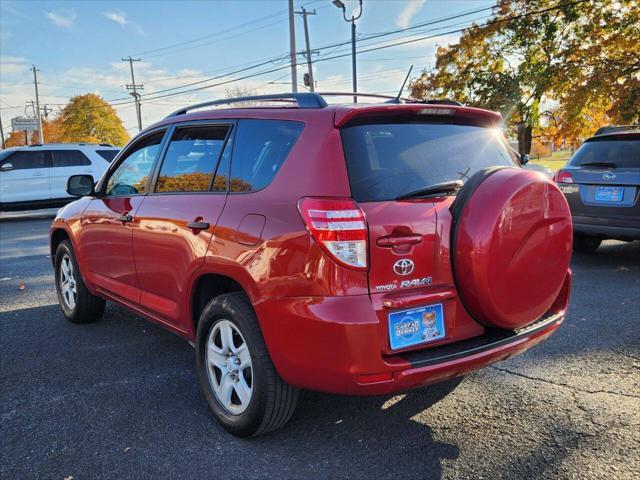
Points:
(574, 55)
(88, 118)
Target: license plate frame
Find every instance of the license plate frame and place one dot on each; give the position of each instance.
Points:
(609, 194)
(416, 326)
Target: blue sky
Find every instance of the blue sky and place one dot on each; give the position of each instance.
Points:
(78, 46)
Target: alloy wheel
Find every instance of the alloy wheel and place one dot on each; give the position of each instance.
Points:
(67, 280)
(229, 368)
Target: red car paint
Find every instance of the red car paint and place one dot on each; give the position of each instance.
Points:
(325, 324)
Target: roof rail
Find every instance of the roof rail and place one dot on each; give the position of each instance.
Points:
(304, 100)
(35, 145)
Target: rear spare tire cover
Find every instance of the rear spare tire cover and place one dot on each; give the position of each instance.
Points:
(511, 246)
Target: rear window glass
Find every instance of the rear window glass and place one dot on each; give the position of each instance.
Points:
(68, 158)
(385, 161)
(260, 149)
(191, 159)
(108, 155)
(621, 153)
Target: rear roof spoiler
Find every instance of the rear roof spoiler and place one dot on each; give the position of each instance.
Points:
(347, 114)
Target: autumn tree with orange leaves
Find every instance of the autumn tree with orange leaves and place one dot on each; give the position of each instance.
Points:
(555, 68)
(86, 118)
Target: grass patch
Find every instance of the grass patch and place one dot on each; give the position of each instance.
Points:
(556, 161)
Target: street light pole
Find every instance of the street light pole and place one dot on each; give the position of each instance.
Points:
(292, 46)
(339, 4)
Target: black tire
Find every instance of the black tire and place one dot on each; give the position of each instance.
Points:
(586, 243)
(88, 308)
(272, 401)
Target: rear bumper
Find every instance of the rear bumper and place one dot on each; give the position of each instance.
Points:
(313, 350)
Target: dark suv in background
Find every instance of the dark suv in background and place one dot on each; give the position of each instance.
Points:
(602, 185)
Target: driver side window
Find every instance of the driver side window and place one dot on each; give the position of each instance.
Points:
(133, 174)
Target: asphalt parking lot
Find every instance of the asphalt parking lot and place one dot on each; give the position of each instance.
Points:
(119, 398)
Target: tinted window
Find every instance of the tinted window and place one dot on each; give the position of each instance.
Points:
(68, 158)
(23, 160)
(132, 175)
(260, 149)
(108, 155)
(621, 153)
(389, 160)
(191, 159)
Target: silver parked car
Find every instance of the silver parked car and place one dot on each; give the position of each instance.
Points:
(602, 185)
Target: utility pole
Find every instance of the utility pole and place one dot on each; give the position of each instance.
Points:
(339, 4)
(37, 109)
(134, 87)
(1, 133)
(292, 46)
(304, 14)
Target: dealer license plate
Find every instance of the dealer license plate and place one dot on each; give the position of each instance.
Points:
(416, 326)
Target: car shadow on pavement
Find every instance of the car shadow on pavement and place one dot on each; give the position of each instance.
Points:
(377, 437)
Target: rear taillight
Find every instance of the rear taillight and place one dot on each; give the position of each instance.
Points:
(339, 227)
(563, 177)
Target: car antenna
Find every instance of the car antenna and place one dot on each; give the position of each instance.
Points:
(404, 83)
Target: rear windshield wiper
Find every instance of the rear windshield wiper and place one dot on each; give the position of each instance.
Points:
(437, 188)
(599, 164)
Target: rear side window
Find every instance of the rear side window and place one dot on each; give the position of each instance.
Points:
(191, 159)
(68, 158)
(26, 160)
(385, 161)
(108, 155)
(261, 147)
(620, 153)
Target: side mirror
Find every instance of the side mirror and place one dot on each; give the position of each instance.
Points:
(524, 158)
(80, 185)
(6, 167)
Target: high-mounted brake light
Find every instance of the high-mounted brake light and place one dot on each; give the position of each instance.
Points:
(437, 111)
(339, 227)
(563, 177)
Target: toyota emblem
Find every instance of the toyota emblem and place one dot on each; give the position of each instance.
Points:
(403, 267)
(609, 176)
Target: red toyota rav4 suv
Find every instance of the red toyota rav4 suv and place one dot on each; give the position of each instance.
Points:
(359, 249)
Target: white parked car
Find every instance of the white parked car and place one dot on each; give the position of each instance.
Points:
(36, 176)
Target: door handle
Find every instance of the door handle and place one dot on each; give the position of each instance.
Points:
(36, 174)
(395, 241)
(125, 218)
(198, 225)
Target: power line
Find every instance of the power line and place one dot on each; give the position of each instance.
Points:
(372, 49)
(280, 13)
(284, 56)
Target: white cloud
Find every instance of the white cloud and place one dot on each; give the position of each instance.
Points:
(121, 19)
(408, 12)
(11, 65)
(118, 17)
(62, 18)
